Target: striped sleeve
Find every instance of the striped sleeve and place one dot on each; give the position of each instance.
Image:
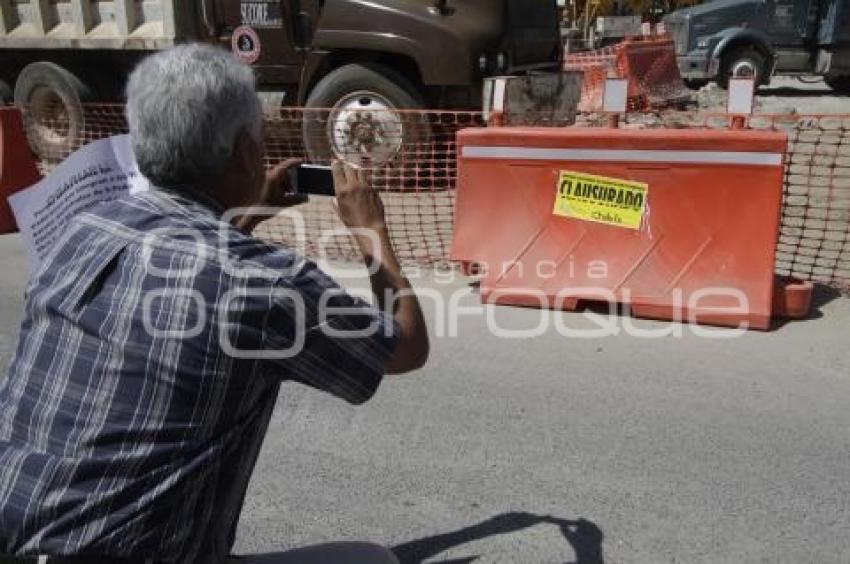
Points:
(340, 343)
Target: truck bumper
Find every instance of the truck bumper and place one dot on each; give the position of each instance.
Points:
(698, 66)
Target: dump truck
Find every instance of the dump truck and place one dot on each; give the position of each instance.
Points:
(759, 38)
(362, 60)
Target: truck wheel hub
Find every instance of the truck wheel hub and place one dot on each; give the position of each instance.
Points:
(49, 115)
(744, 69)
(365, 127)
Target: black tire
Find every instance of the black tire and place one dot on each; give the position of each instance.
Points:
(51, 99)
(741, 61)
(840, 84)
(380, 87)
(695, 83)
(6, 94)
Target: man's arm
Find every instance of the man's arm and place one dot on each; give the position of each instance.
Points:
(361, 210)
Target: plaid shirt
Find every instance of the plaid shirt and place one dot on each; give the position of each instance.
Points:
(153, 345)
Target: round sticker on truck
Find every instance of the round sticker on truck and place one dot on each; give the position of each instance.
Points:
(246, 44)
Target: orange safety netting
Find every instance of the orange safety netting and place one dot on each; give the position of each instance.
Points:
(597, 66)
(649, 64)
(418, 187)
(653, 72)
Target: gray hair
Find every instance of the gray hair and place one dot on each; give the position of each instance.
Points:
(185, 108)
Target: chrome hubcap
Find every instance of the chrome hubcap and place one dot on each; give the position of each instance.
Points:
(366, 129)
(744, 69)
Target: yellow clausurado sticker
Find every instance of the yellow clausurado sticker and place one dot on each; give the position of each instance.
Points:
(612, 201)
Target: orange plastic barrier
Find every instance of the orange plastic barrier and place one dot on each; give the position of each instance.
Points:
(17, 164)
(792, 298)
(702, 249)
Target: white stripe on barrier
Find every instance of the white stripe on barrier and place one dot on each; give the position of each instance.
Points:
(631, 155)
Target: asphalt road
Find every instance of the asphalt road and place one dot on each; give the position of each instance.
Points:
(557, 449)
(785, 95)
(808, 96)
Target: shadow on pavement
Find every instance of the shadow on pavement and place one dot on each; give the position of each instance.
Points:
(821, 297)
(791, 92)
(584, 537)
(824, 295)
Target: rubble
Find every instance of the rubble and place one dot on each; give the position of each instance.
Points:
(712, 98)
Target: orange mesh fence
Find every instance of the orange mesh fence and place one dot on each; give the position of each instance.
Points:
(814, 241)
(54, 134)
(653, 73)
(419, 180)
(649, 64)
(597, 66)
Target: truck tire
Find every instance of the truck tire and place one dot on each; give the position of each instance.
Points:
(742, 62)
(6, 94)
(51, 100)
(840, 84)
(695, 83)
(363, 124)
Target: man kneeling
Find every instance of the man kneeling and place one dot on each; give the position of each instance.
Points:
(157, 333)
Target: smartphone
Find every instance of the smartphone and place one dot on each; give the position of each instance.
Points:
(316, 180)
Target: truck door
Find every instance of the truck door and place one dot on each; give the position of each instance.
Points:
(789, 22)
(269, 35)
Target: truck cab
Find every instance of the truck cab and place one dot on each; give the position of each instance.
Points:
(725, 38)
(438, 45)
(363, 59)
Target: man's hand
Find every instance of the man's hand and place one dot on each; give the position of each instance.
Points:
(359, 206)
(277, 190)
(276, 193)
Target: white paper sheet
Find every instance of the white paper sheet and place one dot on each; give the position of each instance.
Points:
(101, 171)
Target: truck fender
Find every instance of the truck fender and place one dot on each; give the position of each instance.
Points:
(320, 62)
(735, 36)
(427, 57)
